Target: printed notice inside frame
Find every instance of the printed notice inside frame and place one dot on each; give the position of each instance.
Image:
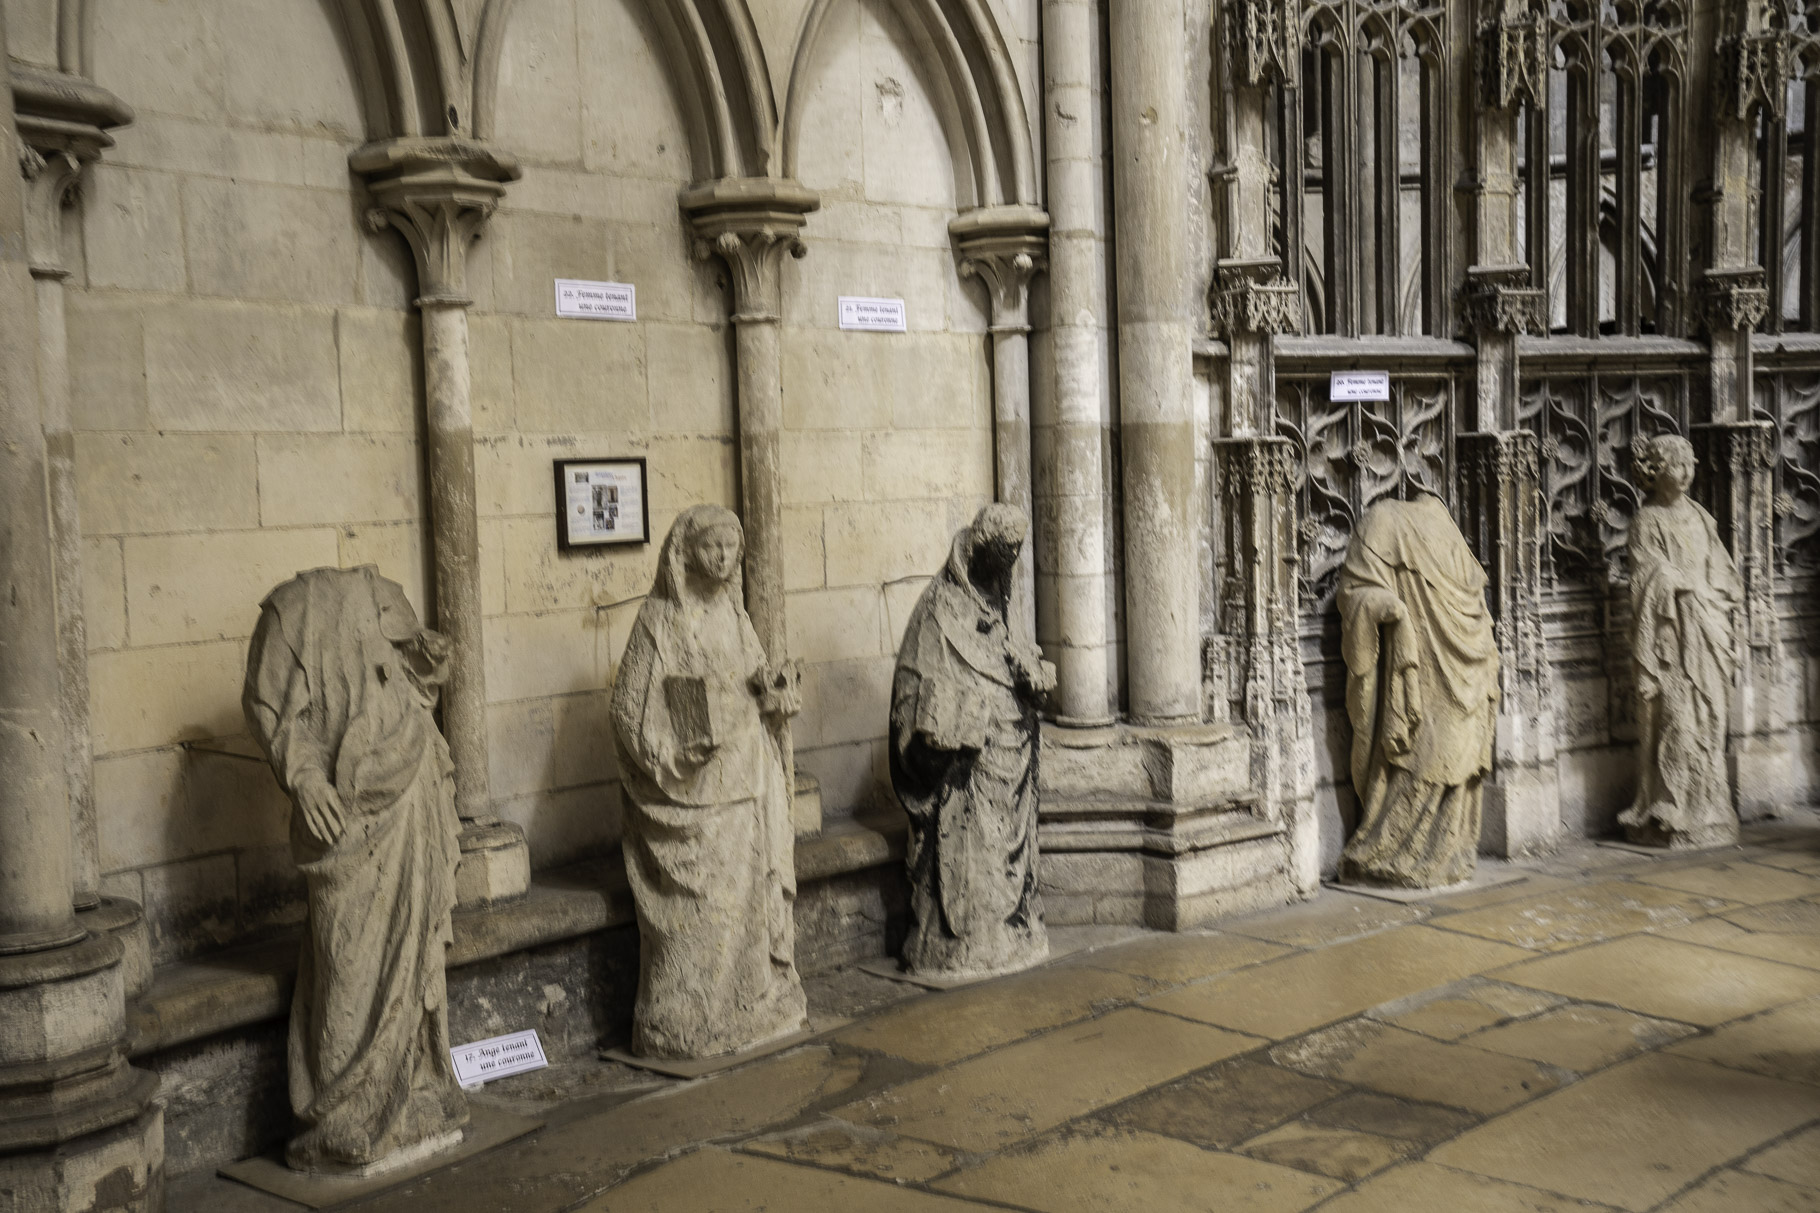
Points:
(601, 502)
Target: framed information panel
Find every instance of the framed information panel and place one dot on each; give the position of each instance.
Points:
(601, 502)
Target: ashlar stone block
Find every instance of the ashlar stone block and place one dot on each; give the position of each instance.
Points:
(241, 367)
(248, 240)
(310, 479)
(183, 588)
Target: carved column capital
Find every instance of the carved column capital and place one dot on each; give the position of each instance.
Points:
(63, 124)
(1004, 247)
(1753, 70)
(1253, 297)
(1733, 300)
(1260, 41)
(439, 194)
(1499, 299)
(1512, 60)
(750, 222)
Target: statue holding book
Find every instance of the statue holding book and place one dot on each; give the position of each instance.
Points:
(963, 761)
(698, 712)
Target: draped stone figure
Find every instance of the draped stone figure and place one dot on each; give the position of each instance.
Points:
(1421, 691)
(1683, 590)
(340, 683)
(963, 761)
(698, 712)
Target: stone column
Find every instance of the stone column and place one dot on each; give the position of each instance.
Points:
(439, 193)
(1736, 483)
(1156, 361)
(750, 223)
(1073, 522)
(63, 123)
(78, 1127)
(1500, 493)
(1737, 454)
(1004, 248)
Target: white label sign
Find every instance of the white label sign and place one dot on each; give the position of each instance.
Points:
(873, 315)
(1359, 385)
(581, 300)
(496, 1057)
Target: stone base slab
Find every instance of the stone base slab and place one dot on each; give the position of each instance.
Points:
(1522, 812)
(1484, 878)
(704, 1066)
(495, 865)
(1763, 778)
(487, 1128)
(1167, 892)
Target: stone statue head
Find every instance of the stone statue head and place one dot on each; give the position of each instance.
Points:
(700, 554)
(1663, 465)
(993, 542)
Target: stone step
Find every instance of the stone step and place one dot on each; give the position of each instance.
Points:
(1152, 826)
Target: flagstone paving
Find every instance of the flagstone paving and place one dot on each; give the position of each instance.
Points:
(1611, 1032)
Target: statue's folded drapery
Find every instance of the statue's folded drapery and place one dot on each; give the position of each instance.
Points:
(1683, 590)
(1421, 691)
(339, 688)
(710, 849)
(964, 765)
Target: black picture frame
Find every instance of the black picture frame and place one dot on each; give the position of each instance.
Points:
(593, 531)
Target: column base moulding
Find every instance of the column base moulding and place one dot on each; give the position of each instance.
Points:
(1157, 826)
(125, 921)
(495, 865)
(79, 1127)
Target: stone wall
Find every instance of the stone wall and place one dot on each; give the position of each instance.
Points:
(247, 383)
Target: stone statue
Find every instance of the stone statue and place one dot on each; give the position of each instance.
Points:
(710, 851)
(340, 682)
(963, 761)
(1422, 692)
(1683, 590)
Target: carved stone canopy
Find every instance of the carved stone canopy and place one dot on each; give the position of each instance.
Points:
(1733, 300)
(1753, 71)
(1513, 60)
(1253, 297)
(751, 222)
(439, 193)
(1004, 247)
(1259, 46)
(1499, 299)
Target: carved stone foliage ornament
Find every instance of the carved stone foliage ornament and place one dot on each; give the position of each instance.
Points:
(698, 712)
(963, 761)
(1421, 692)
(1734, 300)
(340, 684)
(1684, 589)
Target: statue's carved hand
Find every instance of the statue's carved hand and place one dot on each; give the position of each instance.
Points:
(322, 811)
(694, 756)
(780, 689)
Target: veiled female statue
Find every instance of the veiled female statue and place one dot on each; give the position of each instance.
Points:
(698, 712)
(340, 683)
(1422, 692)
(963, 761)
(1683, 590)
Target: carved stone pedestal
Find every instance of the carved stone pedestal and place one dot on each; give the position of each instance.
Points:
(1157, 827)
(1736, 461)
(1501, 518)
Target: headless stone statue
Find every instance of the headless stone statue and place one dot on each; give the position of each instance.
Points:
(963, 762)
(1683, 590)
(710, 851)
(1421, 691)
(340, 683)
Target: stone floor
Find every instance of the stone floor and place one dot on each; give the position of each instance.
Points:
(1606, 1030)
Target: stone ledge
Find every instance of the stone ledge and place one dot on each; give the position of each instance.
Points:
(193, 999)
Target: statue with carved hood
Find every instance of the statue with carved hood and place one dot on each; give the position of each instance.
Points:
(964, 761)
